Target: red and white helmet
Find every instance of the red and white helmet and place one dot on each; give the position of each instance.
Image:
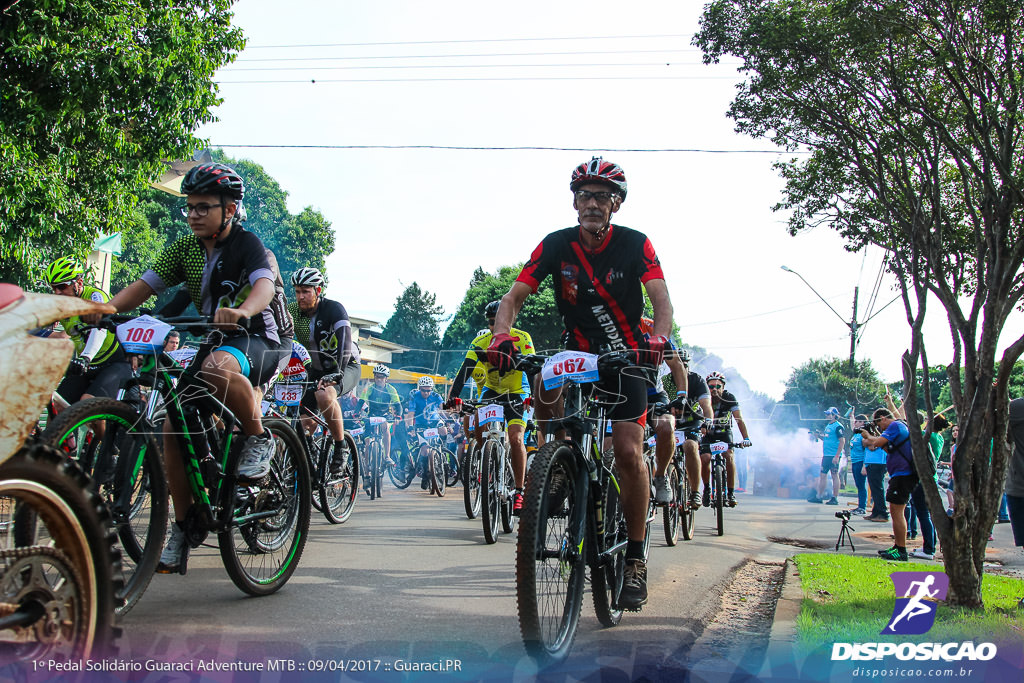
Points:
(717, 376)
(597, 170)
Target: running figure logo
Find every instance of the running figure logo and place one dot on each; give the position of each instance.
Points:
(917, 595)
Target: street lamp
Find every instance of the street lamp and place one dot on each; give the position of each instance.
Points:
(852, 323)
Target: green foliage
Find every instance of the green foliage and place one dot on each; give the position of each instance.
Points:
(821, 383)
(938, 383)
(539, 315)
(94, 94)
(416, 323)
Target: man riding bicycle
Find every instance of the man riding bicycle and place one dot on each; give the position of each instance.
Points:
(425, 405)
(229, 277)
(726, 408)
(322, 326)
(693, 412)
(100, 365)
(509, 390)
(381, 400)
(600, 271)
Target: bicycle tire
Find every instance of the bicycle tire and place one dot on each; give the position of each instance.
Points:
(138, 518)
(70, 518)
(651, 505)
(370, 475)
(489, 502)
(550, 553)
(686, 513)
(471, 479)
(606, 578)
(287, 489)
(451, 467)
(671, 513)
(719, 500)
(315, 471)
(401, 474)
(339, 493)
(437, 477)
(508, 520)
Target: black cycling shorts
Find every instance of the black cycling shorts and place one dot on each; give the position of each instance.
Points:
(102, 380)
(706, 441)
(626, 392)
(511, 403)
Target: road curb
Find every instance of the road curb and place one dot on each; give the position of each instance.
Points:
(783, 636)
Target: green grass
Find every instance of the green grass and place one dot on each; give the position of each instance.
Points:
(850, 599)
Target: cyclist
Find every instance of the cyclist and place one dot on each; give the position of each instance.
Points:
(693, 413)
(509, 390)
(229, 277)
(663, 425)
(425, 405)
(323, 327)
(100, 365)
(726, 409)
(600, 271)
(382, 401)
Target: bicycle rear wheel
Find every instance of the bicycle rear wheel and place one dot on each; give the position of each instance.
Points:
(127, 470)
(686, 513)
(508, 520)
(489, 502)
(671, 513)
(550, 553)
(437, 476)
(339, 492)
(401, 472)
(262, 549)
(451, 467)
(606, 576)
(471, 465)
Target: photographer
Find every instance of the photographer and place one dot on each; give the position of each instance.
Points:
(899, 462)
(857, 466)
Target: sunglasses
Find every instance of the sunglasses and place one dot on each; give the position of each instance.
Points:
(61, 287)
(716, 386)
(601, 197)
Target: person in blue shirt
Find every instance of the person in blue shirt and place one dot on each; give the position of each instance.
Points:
(899, 462)
(857, 465)
(425, 404)
(833, 438)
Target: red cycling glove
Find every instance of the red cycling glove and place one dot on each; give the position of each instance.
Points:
(499, 353)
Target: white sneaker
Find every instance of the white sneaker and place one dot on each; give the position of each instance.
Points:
(171, 558)
(662, 492)
(256, 454)
(919, 552)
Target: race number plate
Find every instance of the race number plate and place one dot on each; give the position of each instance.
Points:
(184, 356)
(264, 408)
(288, 394)
(569, 366)
(376, 420)
(680, 437)
(145, 334)
(358, 431)
(427, 434)
(719, 447)
(490, 413)
(651, 441)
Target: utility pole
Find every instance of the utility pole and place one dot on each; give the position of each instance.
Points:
(853, 329)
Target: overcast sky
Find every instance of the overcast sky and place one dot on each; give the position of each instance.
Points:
(598, 76)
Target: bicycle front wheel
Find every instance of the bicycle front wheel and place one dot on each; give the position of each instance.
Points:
(686, 513)
(607, 574)
(261, 549)
(451, 467)
(489, 502)
(339, 492)
(550, 553)
(113, 444)
(401, 472)
(471, 464)
(670, 514)
(437, 476)
(719, 501)
(508, 520)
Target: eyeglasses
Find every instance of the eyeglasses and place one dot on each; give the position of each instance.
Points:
(601, 197)
(716, 386)
(61, 287)
(199, 209)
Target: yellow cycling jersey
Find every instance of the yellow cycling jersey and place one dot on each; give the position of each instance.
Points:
(511, 383)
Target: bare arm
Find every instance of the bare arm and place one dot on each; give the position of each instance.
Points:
(679, 375)
(740, 423)
(510, 306)
(705, 405)
(657, 290)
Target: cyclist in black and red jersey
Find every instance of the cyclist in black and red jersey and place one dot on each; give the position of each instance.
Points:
(600, 272)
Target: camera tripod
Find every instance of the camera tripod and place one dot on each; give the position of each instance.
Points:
(845, 536)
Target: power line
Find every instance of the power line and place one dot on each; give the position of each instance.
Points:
(453, 56)
(475, 40)
(509, 78)
(514, 149)
(458, 66)
(755, 315)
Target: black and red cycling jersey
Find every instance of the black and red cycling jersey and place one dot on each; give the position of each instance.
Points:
(599, 293)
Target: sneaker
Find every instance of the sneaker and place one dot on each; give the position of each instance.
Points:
(423, 484)
(1003, 520)
(706, 498)
(832, 501)
(814, 499)
(517, 503)
(175, 555)
(634, 585)
(740, 489)
(662, 492)
(256, 454)
(694, 500)
(338, 461)
(919, 552)
(895, 554)
(876, 518)
(730, 500)
(883, 552)
(857, 511)
(913, 536)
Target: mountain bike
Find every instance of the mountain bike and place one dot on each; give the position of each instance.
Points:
(469, 468)
(572, 514)
(332, 494)
(432, 452)
(261, 526)
(719, 479)
(677, 514)
(497, 483)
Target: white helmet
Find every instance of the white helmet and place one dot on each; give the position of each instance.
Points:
(381, 369)
(425, 381)
(307, 277)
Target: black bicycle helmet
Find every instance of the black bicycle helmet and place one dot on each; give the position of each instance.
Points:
(491, 309)
(213, 178)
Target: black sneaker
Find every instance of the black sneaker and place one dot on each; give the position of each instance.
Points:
(895, 554)
(423, 484)
(706, 499)
(832, 501)
(814, 499)
(634, 585)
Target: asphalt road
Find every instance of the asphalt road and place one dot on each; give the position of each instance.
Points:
(409, 579)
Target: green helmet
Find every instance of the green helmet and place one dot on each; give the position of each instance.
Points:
(64, 269)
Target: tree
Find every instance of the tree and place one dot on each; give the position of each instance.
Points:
(416, 323)
(910, 110)
(95, 94)
(821, 383)
(539, 315)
